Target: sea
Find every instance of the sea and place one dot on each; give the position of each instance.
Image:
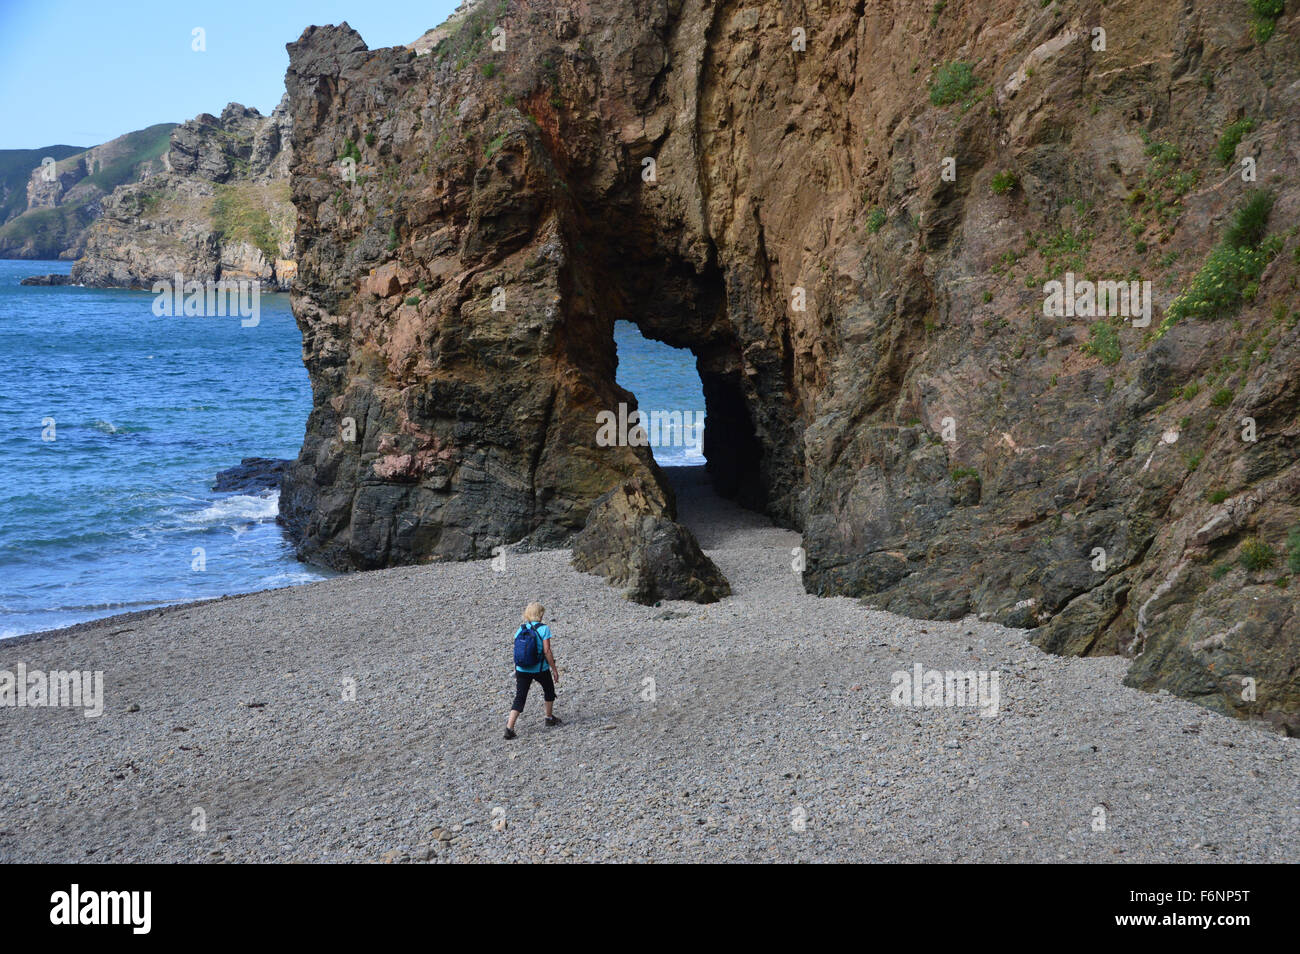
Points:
(668, 392)
(115, 423)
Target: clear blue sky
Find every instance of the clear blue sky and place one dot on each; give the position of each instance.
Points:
(84, 71)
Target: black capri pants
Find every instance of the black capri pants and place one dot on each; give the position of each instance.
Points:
(524, 679)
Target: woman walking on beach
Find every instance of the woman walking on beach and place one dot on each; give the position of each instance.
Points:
(533, 660)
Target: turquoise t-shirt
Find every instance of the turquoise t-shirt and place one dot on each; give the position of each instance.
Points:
(543, 634)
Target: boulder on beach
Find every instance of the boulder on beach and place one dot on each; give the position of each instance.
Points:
(632, 539)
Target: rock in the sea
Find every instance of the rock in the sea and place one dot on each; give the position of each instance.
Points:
(251, 475)
(47, 280)
(631, 540)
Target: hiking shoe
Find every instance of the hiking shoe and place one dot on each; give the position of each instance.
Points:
(553, 720)
(510, 734)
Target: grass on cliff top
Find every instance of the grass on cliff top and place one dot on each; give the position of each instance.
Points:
(1231, 273)
(469, 33)
(16, 167)
(141, 146)
(244, 212)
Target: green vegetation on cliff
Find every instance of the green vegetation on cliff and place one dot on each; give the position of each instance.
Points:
(1266, 14)
(951, 82)
(45, 233)
(53, 231)
(241, 213)
(16, 167)
(1227, 145)
(138, 148)
(1232, 269)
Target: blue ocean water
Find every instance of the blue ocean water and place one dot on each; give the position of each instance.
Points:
(663, 379)
(115, 513)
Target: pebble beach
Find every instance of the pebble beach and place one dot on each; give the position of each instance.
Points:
(359, 719)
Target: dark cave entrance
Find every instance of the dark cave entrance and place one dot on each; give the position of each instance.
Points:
(732, 451)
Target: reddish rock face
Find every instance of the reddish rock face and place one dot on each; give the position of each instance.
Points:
(387, 280)
(851, 216)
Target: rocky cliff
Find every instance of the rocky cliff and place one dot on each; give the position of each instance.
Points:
(61, 198)
(219, 209)
(16, 167)
(855, 216)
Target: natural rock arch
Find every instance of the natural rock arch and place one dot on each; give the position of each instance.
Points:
(944, 449)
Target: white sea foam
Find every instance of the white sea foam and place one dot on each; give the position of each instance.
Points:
(683, 458)
(239, 509)
(291, 578)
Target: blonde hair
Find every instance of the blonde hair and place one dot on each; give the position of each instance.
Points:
(534, 612)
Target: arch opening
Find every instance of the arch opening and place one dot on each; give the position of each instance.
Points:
(662, 301)
(693, 411)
